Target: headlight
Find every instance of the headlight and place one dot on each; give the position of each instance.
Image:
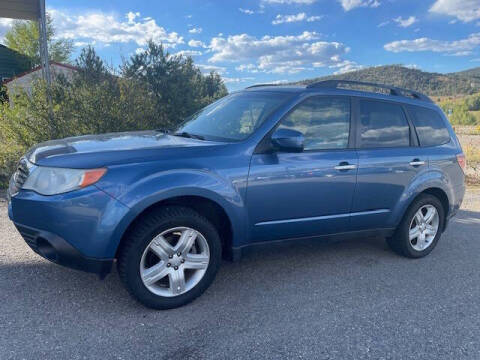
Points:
(51, 181)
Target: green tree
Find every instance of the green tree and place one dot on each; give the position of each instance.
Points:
(178, 87)
(23, 37)
(156, 91)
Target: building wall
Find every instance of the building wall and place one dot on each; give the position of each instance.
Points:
(25, 82)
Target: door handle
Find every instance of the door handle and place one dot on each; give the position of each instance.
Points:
(417, 162)
(345, 166)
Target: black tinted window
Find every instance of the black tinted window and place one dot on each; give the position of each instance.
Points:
(324, 121)
(383, 125)
(430, 127)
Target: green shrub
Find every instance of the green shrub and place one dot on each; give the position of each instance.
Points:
(95, 101)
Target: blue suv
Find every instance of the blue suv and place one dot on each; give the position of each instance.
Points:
(261, 165)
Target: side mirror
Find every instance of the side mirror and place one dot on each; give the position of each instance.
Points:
(288, 140)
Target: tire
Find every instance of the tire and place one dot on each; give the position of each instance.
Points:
(174, 223)
(401, 243)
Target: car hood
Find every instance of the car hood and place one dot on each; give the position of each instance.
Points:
(116, 148)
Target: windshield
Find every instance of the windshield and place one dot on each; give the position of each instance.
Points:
(234, 117)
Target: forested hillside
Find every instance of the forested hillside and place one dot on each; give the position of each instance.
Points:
(435, 84)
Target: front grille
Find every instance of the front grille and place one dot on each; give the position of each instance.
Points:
(19, 176)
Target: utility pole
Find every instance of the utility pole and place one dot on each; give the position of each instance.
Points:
(42, 30)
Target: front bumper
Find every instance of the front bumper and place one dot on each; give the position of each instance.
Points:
(59, 251)
(80, 229)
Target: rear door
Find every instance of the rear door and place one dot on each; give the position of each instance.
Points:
(389, 159)
(308, 193)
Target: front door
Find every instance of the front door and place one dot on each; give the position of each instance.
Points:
(308, 193)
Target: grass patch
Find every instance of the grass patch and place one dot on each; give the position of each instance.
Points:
(472, 153)
(476, 115)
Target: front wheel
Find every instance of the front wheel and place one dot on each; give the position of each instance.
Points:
(170, 258)
(420, 228)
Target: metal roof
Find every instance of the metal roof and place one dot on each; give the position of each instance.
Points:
(20, 9)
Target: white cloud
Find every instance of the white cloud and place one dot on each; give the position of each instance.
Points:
(298, 2)
(5, 25)
(107, 28)
(196, 43)
(281, 19)
(247, 11)
(252, 68)
(412, 66)
(195, 30)
(278, 82)
(384, 23)
(458, 47)
(131, 16)
(405, 22)
(82, 43)
(278, 54)
(352, 4)
(464, 10)
(208, 68)
(346, 66)
(229, 80)
(188, 53)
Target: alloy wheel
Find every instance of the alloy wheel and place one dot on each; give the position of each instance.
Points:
(424, 227)
(175, 261)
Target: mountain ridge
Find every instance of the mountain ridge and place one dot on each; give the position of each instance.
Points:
(464, 82)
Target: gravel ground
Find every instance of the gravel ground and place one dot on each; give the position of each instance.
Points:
(348, 300)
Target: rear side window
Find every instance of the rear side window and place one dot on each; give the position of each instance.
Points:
(323, 120)
(430, 126)
(383, 125)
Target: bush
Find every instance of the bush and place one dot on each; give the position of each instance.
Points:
(458, 113)
(154, 90)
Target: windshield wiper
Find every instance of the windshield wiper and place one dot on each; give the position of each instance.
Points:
(164, 131)
(189, 135)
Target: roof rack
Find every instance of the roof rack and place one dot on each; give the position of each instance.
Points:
(395, 91)
(259, 85)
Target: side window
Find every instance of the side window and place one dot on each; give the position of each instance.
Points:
(383, 125)
(323, 120)
(430, 126)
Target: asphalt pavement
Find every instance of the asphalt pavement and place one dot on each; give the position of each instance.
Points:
(347, 300)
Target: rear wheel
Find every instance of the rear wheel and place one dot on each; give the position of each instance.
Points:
(170, 258)
(420, 228)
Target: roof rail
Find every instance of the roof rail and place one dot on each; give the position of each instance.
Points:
(395, 91)
(259, 85)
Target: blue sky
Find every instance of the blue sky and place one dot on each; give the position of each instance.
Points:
(256, 41)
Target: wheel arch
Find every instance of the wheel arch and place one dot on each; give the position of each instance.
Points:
(437, 192)
(205, 206)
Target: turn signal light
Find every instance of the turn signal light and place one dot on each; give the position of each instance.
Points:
(92, 176)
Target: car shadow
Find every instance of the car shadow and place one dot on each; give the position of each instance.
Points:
(43, 286)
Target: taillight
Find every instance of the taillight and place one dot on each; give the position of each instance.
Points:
(462, 161)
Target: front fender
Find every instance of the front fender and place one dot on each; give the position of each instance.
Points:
(426, 180)
(157, 187)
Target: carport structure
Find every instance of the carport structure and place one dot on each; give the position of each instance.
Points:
(30, 10)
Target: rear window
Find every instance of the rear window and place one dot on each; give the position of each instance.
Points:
(430, 126)
(383, 125)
